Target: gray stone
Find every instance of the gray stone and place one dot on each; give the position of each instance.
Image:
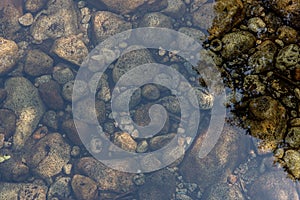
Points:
(60, 188)
(62, 74)
(24, 100)
(129, 61)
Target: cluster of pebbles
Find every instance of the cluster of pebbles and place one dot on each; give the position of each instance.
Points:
(254, 44)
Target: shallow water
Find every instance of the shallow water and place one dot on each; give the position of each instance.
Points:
(227, 127)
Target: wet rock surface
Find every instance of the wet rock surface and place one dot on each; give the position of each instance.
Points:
(51, 94)
(84, 187)
(38, 63)
(8, 55)
(23, 99)
(253, 44)
(58, 20)
(210, 168)
(128, 6)
(106, 24)
(47, 157)
(71, 49)
(13, 191)
(107, 179)
(269, 122)
(273, 185)
(159, 185)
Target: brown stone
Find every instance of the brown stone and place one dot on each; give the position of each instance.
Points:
(84, 187)
(50, 93)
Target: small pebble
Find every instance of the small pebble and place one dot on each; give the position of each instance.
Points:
(26, 20)
(67, 169)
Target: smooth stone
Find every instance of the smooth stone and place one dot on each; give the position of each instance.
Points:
(273, 186)
(38, 63)
(106, 178)
(50, 93)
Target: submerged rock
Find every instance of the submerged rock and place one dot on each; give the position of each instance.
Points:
(224, 156)
(13, 191)
(84, 187)
(228, 13)
(224, 191)
(106, 24)
(268, 122)
(107, 178)
(71, 49)
(159, 185)
(59, 20)
(129, 6)
(8, 55)
(292, 159)
(24, 100)
(236, 43)
(47, 157)
(273, 186)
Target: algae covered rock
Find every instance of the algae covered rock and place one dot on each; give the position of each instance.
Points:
(263, 59)
(292, 160)
(237, 43)
(288, 57)
(268, 121)
(228, 13)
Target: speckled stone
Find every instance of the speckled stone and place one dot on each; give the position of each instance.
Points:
(48, 156)
(106, 24)
(84, 187)
(24, 100)
(55, 22)
(106, 178)
(8, 55)
(71, 49)
(237, 43)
